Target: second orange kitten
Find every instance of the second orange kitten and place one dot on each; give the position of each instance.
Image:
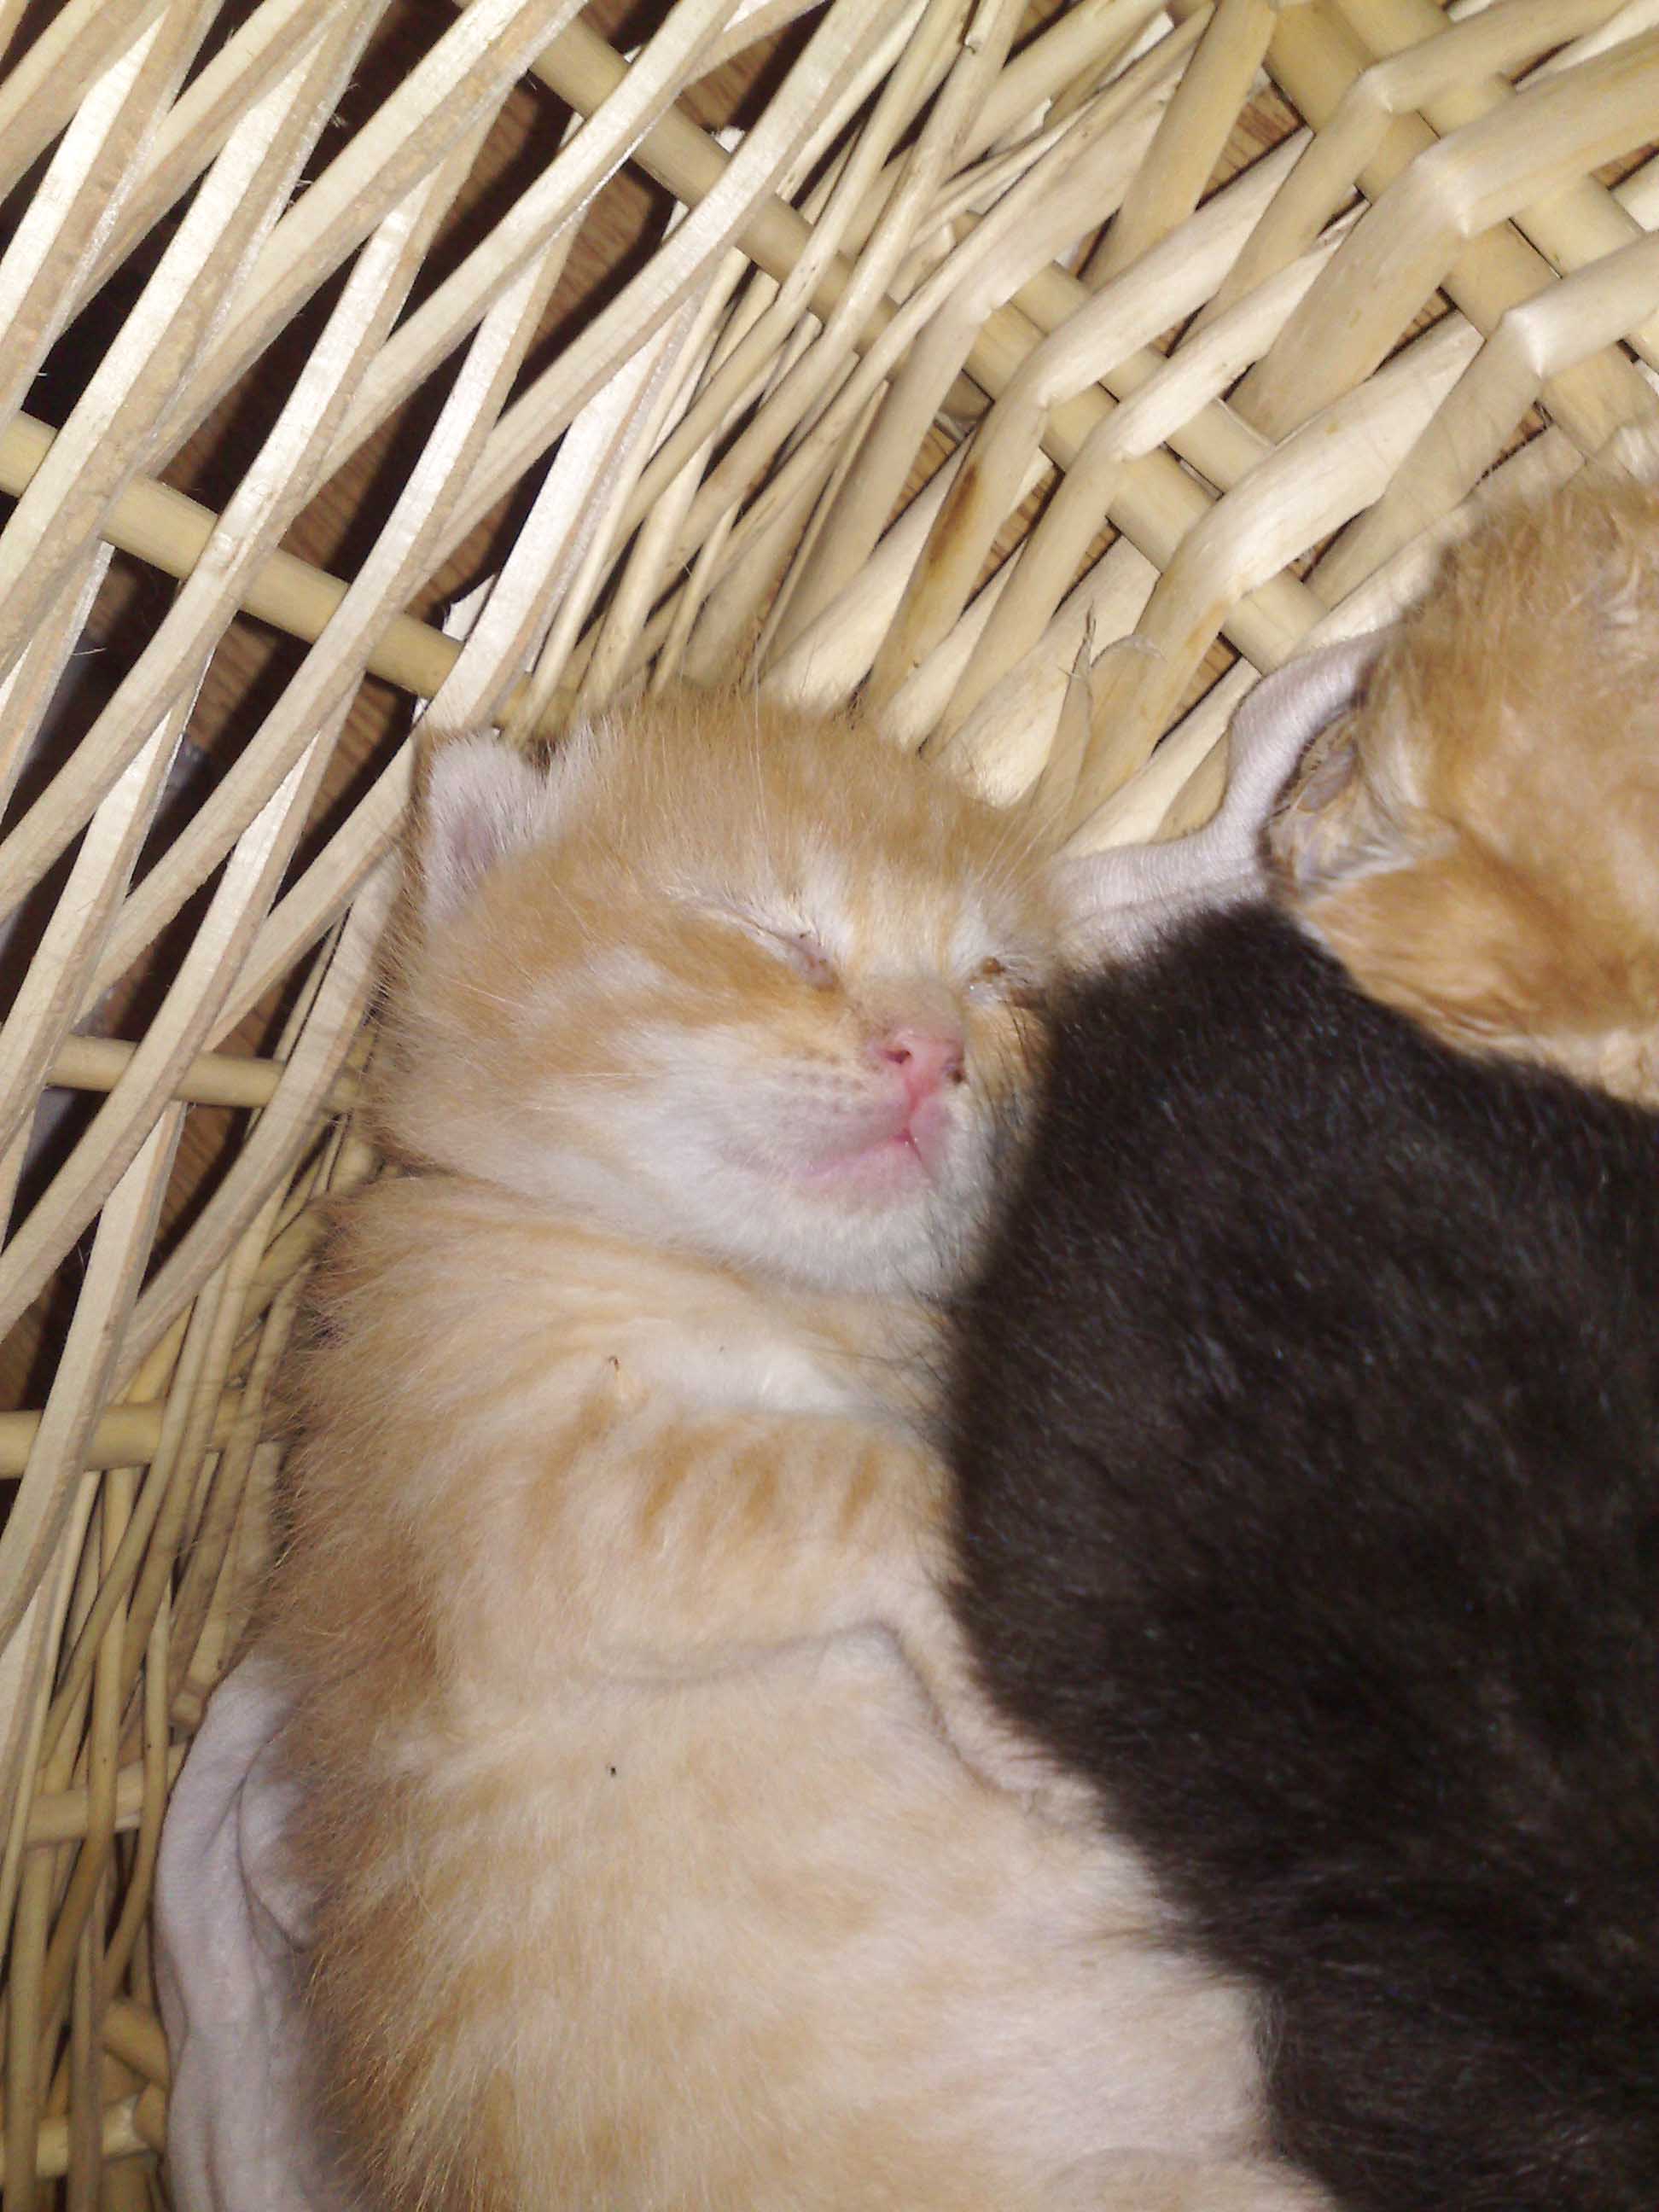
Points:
(1474, 841)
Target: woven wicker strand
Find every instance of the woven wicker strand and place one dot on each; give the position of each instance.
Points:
(1040, 372)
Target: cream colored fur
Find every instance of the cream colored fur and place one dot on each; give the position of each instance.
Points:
(650, 1879)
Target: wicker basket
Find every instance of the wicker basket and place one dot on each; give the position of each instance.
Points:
(1186, 333)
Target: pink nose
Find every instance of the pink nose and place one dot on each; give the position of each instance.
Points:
(927, 1058)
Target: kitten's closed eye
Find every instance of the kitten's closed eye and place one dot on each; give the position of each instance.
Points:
(801, 948)
(1009, 983)
(789, 940)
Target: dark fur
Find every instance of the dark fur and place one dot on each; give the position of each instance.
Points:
(1309, 1506)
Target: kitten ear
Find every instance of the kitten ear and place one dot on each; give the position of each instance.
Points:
(1288, 721)
(1310, 838)
(1117, 902)
(483, 801)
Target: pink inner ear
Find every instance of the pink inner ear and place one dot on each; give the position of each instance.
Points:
(483, 801)
(474, 848)
(1330, 771)
(1304, 843)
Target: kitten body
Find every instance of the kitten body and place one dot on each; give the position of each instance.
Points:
(647, 1875)
(1308, 1451)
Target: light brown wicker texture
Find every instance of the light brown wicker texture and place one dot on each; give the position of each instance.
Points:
(1186, 334)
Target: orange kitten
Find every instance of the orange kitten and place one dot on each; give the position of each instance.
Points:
(1475, 840)
(648, 1878)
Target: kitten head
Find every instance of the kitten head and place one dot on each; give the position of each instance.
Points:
(726, 979)
(1476, 840)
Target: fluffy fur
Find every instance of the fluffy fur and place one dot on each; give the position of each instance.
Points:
(1308, 1442)
(1476, 842)
(647, 1878)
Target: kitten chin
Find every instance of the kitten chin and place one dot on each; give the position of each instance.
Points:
(1475, 840)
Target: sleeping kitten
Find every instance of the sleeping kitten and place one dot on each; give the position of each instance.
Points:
(1307, 1428)
(1478, 842)
(647, 1877)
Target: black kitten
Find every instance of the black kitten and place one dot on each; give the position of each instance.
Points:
(1308, 1434)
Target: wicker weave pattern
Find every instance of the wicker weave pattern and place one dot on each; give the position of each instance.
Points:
(1166, 405)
